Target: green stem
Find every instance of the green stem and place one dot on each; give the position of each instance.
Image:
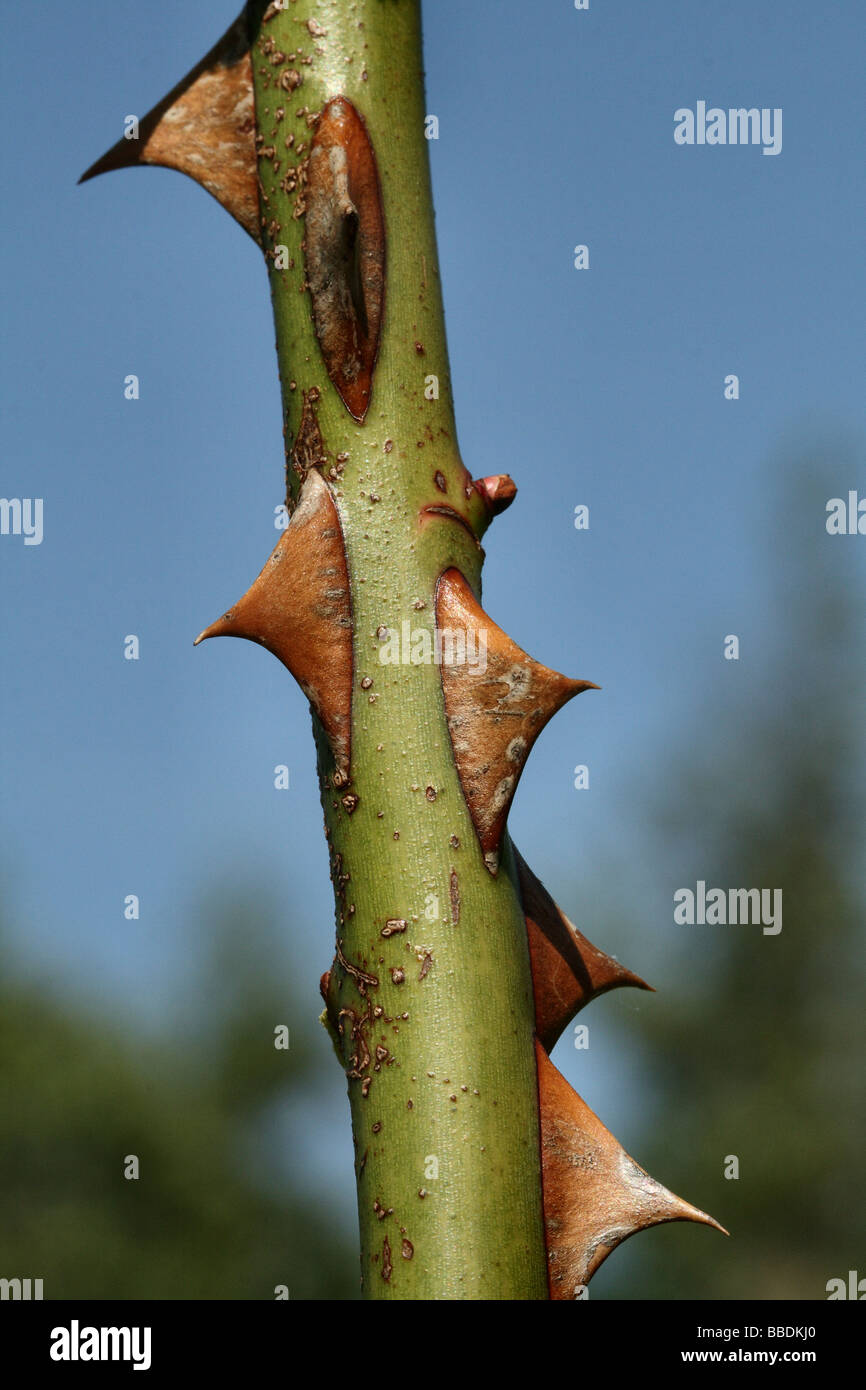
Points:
(445, 1115)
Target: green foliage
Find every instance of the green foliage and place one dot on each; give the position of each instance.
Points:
(78, 1093)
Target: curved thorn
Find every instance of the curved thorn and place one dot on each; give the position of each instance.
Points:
(205, 128)
(595, 1196)
(568, 971)
(299, 609)
(497, 701)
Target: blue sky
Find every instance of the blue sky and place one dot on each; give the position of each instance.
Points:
(602, 387)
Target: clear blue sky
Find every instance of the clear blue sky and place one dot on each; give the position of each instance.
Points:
(602, 386)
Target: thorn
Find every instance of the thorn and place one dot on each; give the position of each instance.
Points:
(497, 701)
(567, 970)
(205, 128)
(299, 609)
(595, 1196)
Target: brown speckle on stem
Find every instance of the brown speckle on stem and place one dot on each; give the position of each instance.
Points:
(407, 1250)
(386, 1261)
(454, 889)
(394, 926)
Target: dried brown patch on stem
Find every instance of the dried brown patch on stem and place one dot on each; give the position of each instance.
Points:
(394, 926)
(495, 707)
(363, 979)
(567, 970)
(204, 128)
(308, 449)
(344, 249)
(299, 609)
(454, 890)
(595, 1196)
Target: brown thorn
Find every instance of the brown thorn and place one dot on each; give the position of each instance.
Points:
(567, 970)
(299, 608)
(205, 128)
(595, 1196)
(497, 701)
